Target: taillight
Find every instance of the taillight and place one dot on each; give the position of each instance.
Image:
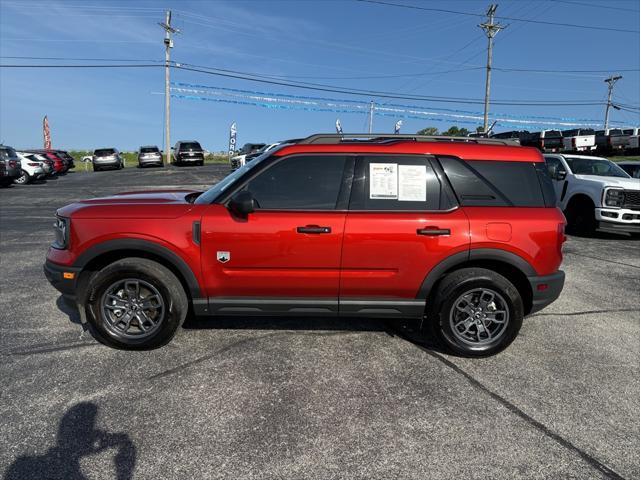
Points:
(32, 164)
(573, 142)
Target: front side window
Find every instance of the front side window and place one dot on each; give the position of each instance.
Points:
(600, 167)
(299, 183)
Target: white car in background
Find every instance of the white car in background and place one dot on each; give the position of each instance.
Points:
(31, 169)
(579, 140)
(632, 142)
(595, 193)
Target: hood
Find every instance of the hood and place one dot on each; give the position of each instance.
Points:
(626, 183)
(147, 204)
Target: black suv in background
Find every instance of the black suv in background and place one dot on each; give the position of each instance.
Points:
(149, 156)
(545, 141)
(188, 152)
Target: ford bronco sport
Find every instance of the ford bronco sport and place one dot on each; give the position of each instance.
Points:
(461, 234)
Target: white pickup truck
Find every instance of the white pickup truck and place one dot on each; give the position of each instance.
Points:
(578, 140)
(594, 193)
(632, 139)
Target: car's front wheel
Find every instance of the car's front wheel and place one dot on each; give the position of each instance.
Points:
(475, 312)
(135, 304)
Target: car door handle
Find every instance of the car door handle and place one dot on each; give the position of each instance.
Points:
(315, 229)
(433, 231)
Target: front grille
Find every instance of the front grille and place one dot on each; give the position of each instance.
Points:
(631, 199)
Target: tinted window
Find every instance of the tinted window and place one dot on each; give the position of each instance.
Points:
(300, 183)
(615, 132)
(397, 182)
(552, 134)
(595, 166)
(633, 170)
(149, 150)
(190, 146)
(554, 165)
(570, 133)
(8, 153)
(494, 183)
(628, 131)
(104, 152)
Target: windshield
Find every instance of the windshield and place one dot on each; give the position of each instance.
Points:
(600, 167)
(104, 152)
(190, 146)
(210, 195)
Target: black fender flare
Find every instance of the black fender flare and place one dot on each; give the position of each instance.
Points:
(461, 258)
(143, 246)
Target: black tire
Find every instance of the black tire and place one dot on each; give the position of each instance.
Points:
(173, 311)
(23, 179)
(201, 163)
(581, 218)
(96, 169)
(437, 324)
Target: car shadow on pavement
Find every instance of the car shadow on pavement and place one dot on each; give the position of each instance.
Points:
(69, 309)
(77, 437)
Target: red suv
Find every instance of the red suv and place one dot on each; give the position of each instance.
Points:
(460, 234)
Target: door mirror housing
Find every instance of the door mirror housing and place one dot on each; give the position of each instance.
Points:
(242, 203)
(560, 174)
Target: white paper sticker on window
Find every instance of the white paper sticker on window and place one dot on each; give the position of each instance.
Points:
(383, 181)
(412, 183)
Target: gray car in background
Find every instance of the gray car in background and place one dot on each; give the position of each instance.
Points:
(149, 156)
(104, 158)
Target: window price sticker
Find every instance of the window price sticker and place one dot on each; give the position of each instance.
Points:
(383, 181)
(412, 183)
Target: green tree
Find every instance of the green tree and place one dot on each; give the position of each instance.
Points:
(428, 131)
(456, 132)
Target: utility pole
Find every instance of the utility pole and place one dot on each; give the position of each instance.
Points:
(371, 107)
(611, 81)
(168, 45)
(491, 29)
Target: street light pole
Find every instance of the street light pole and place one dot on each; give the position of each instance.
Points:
(168, 45)
(491, 29)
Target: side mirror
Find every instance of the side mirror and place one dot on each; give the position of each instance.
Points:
(561, 175)
(242, 203)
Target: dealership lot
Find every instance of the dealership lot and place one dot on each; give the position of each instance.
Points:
(312, 398)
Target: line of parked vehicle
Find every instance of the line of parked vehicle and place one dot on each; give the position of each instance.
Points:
(607, 141)
(26, 166)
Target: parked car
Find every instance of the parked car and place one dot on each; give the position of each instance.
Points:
(595, 193)
(107, 158)
(188, 152)
(149, 155)
(31, 169)
(631, 167)
(11, 161)
(632, 139)
(514, 135)
(462, 235)
(60, 165)
(578, 140)
(238, 160)
(545, 141)
(66, 157)
(47, 163)
(611, 140)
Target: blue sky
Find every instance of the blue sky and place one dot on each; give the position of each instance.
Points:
(327, 42)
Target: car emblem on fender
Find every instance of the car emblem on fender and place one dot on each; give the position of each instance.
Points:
(224, 257)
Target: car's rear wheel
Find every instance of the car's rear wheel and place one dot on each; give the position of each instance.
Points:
(23, 178)
(474, 312)
(135, 304)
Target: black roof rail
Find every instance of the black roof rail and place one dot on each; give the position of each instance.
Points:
(336, 138)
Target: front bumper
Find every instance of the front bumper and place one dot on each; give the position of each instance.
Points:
(56, 275)
(545, 290)
(618, 219)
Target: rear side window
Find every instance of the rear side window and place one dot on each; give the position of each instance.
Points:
(397, 182)
(495, 183)
(299, 183)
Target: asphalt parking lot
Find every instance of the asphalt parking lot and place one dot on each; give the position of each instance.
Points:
(311, 398)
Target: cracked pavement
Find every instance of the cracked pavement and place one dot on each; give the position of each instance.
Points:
(311, 397)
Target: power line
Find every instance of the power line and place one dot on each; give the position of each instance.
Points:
(81, 59)
(324, 87)
(595, 5)
(513, 19)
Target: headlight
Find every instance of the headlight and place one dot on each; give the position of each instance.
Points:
(61, 228)
(613, 197)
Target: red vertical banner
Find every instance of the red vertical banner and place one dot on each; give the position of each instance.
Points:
(47, 133)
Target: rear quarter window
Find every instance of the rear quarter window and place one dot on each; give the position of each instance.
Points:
(498, 183)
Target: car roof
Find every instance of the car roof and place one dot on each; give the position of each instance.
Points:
(462, 147)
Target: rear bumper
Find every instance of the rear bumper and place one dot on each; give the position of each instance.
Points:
(55, 275)
(545, 290)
